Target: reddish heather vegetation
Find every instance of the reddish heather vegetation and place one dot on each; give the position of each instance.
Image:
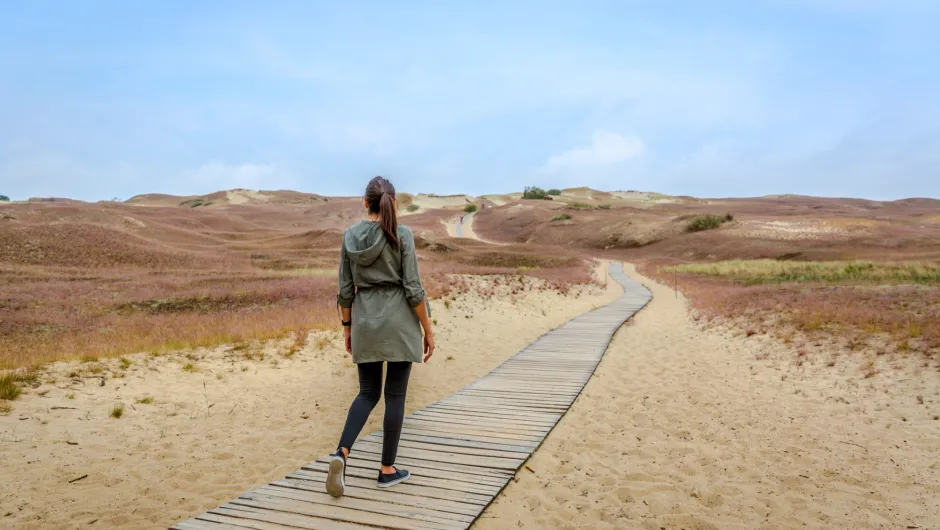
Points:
(79, 279)
(87, 280)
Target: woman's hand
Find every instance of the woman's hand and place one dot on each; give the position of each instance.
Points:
(428, 347)
(348, 339)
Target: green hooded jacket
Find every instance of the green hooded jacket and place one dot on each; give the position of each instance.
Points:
(382, 287)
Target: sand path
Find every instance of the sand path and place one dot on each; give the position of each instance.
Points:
(685, 428)
(465, 230)
(230, 424)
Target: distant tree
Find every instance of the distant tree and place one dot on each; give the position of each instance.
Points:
(554, 191)
(4, 198)
(470, 208)
(533, 192)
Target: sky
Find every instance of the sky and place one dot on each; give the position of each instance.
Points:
(711, 99)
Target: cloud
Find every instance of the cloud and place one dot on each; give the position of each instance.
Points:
(219, 175)
(607, 148)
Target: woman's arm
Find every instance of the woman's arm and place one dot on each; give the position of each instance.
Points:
(414, 291)
(347, 293)
(422, 310)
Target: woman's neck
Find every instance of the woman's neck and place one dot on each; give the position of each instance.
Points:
(374, 217)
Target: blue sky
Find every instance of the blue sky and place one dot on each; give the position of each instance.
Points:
(823, 97)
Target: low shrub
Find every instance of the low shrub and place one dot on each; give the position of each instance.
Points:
(700, 223)
(554, 191)
(413, 208)
(470, 208)
(534, 192)
(562, 217)
(4, 198)
(603, 207)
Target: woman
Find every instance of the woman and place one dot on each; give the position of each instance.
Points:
(384, 309)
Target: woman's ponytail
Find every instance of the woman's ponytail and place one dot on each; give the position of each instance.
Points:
(389, 219)
(380, 194)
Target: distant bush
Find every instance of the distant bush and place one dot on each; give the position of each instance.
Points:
(554, 191)
(534, 192)
(470, 208)
(603, 206)
(4, 198)
(413, 207)
(729, 217)
(562, 217)
(195, 203)
(706, 222)
(580, 206)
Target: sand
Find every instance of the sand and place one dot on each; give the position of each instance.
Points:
(437, 202)
(232, 424)
(467, 229)
(683, 428)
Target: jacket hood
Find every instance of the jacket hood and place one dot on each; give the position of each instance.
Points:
(364, 242)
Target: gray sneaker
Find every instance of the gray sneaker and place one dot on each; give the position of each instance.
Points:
(336, 479)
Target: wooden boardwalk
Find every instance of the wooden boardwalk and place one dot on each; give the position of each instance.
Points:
(461, 451)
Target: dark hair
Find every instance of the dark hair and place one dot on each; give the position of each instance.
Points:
(380, 194)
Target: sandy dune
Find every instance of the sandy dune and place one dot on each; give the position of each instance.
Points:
(211, 434)
(684, 428)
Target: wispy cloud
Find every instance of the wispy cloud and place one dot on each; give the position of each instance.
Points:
(606, 148)
(220, 175)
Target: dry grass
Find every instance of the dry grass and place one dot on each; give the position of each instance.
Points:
(9, 390)
(859, 305)
(117, 411)
(755, 272)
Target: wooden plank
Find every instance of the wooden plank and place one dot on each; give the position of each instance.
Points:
(395, 495)
(524, 418)
(502, 426)
(255, 515)
(469, 413)
(365, 505)
(460, 442)
(449, 471)
(453, 428)
(277, 506)
(463, 450)
(502, 429)
(424, 455)
(462, 436)
(424, 488)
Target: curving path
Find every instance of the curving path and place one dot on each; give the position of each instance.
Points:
(462, 451)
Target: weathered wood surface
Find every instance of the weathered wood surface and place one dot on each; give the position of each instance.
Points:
(461, 451)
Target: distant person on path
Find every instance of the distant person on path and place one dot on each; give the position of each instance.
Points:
(461, 219)
(384, 308)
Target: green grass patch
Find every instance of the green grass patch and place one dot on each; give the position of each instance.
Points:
(413, 208)
(190, 367)
(145, 400)
(9, 390)
(562, 217)
(117, 411)
(756, 272)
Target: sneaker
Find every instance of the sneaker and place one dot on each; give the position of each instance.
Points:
(387, 481)
(336, 479)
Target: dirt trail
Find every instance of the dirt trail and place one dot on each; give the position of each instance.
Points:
(465, 230)
(682, 427)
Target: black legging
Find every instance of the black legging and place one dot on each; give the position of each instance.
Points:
(370, 389)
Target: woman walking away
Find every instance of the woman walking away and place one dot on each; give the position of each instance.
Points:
(384, 309)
